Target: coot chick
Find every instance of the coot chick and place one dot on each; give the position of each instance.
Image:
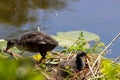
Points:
(75, 64)
(80, 64)
(34, 42)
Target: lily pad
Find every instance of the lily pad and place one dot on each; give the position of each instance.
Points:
(2, 47)
(66, 39)
(3, 43)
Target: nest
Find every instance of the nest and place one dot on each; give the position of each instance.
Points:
(56, 72)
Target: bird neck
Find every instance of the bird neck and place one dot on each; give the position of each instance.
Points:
(79, 63)
(17, 42)
(19, 45)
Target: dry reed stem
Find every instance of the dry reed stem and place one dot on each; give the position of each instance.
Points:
(99, 56)
(47, 76)
(90, 68)
(116, 59)
(97, 68)
(96, 78)
(38, 29)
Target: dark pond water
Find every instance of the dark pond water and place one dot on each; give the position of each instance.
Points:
(101, 17)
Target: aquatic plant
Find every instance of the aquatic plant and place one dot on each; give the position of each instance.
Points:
(73, 42)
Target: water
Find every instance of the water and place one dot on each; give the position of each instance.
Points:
(101, 17)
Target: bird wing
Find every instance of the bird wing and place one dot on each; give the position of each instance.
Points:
(33, 37)
(38, 38)
(38, 41)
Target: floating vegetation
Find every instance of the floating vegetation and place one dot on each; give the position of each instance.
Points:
(62, 65)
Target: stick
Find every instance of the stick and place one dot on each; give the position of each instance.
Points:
(90, 68)
(116, 59)
(14, 55)
(96, 78)
(47, 76)
(38, 29)
(114, 39)
(98, 58)
(97, 69)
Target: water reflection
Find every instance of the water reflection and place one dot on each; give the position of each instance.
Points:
(17, 12)
(47, 4)
(99, 16)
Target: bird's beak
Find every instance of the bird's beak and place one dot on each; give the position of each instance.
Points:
(87, 57)
(7, 49)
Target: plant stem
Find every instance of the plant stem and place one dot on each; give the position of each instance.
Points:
(99, 56)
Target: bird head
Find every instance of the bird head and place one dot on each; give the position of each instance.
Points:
(80, 64)
(11, 43)
(82, 54)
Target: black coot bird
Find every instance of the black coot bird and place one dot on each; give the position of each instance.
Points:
(34, 42)
(76, 64)
(80, 64)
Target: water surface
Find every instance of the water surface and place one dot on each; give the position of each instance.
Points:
(101, 17)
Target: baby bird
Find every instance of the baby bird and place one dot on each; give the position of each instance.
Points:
(80, 64)
(34, 42)
(76, 64)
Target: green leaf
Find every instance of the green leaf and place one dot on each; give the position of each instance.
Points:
(18, 70)
(110, 69)
(2, 47)
(66, 39)
(3, 44)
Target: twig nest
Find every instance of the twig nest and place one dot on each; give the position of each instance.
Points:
(74, 64)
